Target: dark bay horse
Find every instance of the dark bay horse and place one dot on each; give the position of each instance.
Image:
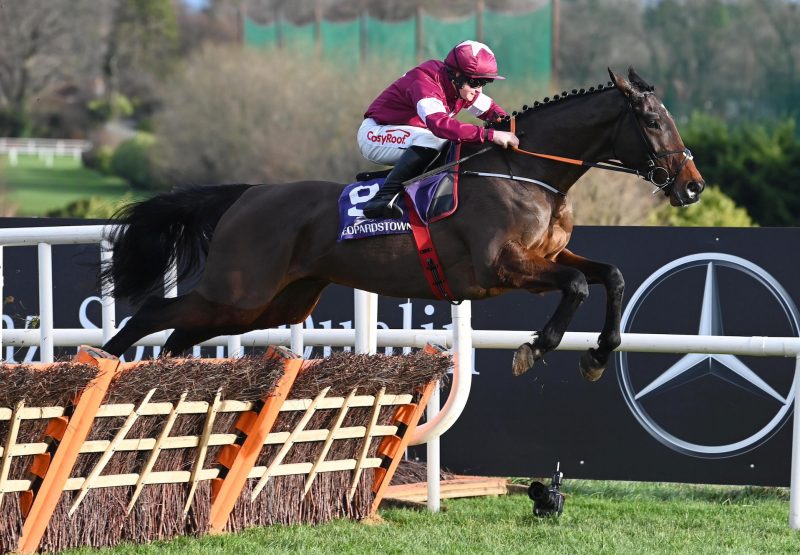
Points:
(272, 249)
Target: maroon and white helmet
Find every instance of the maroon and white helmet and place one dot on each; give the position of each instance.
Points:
(473, 59)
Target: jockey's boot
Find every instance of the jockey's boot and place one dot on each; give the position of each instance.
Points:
(412, 163)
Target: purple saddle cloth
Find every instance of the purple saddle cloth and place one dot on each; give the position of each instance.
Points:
(432, 197)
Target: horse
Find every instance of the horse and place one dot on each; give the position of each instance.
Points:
(268, 251)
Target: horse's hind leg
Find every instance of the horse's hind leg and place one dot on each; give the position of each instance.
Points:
(146, 320)
(193, 317)
(293, 304)
(594, 361)
(181, 340)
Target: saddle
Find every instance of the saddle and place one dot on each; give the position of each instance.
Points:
(434, 197)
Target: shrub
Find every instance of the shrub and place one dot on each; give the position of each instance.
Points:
(715, 209)
(132, 162)
(91, 207)
(118, 106)
(98, 159)
(757, 164)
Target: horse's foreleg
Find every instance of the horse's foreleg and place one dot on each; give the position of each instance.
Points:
(594, 361)
(519, 268)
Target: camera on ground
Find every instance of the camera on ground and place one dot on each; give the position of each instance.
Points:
(548, 501)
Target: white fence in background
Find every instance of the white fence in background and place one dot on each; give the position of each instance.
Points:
(46, 149)
(366, 337)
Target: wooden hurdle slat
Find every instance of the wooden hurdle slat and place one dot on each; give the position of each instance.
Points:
(109, 452)
(295, 469)
(376, 410)
(8, 447)
(392, 447)
(63, 460)
(284, 450)
(155, 452)
(193, 442)
(244, 457)
(32, 413)
(202, 449)
(328, 442)
(393, 455)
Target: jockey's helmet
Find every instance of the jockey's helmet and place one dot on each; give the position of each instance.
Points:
(473, 59)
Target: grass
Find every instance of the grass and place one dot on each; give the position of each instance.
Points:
(599, 517)
(36, 189)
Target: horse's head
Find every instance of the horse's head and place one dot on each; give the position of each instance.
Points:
(648, 141)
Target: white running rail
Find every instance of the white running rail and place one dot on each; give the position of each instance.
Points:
(367, 337)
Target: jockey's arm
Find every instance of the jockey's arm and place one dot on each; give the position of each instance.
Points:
(483, 107)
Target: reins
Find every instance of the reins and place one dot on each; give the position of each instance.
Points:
(613, 166)
(575, 162)
(650, 175)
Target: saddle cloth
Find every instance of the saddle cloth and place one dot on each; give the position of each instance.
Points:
(434, 198)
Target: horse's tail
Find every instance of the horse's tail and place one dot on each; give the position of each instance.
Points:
(156, 232)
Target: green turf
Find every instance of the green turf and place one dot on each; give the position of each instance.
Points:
(599, 517)
(36, 189)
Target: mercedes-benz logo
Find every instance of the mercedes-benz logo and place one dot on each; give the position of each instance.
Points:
(680, 375)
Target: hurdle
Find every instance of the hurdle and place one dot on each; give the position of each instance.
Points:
(370, 338)
(301, 441)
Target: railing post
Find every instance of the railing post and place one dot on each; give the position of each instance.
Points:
(170, 292)
(365, 321)
(109, 312)
(462, 378)
(45, 302)
(433, 463)
(2, 303)
(794, 495)
(297, 344)
(235, 346)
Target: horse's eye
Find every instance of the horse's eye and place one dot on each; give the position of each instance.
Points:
(653, 124)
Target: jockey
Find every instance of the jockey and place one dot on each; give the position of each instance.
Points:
(413, 119)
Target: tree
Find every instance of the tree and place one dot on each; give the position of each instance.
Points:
(599, 34)
(607, 198)
(237, 115)
(43, 43)
(142, 48)
(756, 164)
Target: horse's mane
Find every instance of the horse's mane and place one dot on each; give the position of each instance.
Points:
(551, 101)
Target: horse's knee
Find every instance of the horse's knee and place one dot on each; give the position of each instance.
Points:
(577, 288)
(615, 282)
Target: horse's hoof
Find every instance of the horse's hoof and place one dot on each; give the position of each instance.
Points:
(591, 368)
(525, 357)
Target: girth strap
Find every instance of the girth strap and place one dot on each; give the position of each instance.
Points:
(431, 266)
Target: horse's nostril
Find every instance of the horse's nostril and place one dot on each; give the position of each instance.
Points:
(695, 187)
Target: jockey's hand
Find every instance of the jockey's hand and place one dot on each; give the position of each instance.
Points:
(505, 139)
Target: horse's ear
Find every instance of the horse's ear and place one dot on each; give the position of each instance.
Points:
(623, 84)
(638, 81)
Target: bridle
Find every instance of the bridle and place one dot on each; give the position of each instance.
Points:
(655, 173)
(662, 181)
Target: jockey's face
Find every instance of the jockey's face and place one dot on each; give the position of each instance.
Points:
(469, 93)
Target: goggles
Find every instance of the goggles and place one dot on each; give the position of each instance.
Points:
(476, 82)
